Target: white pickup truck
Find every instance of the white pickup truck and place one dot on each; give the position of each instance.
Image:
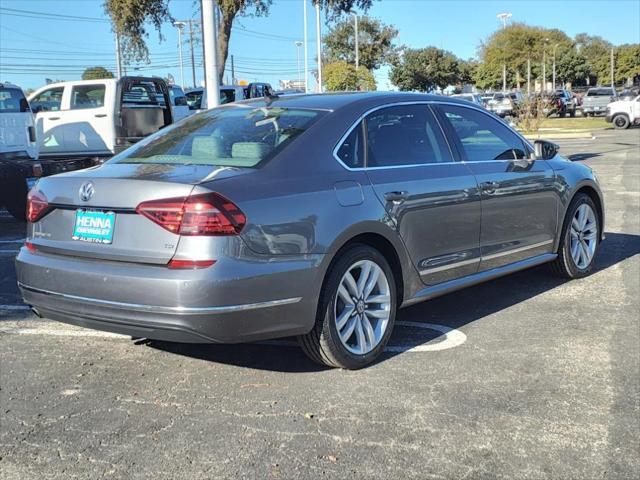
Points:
(624, 113)
(99, 117)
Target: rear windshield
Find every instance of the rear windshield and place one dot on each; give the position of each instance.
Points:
(145, 93)
(599, 92)
(10, 101)
(230, 136)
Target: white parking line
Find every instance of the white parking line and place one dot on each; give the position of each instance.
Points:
(9, 252)
(451, 337)
(17, 240)
(14, 307)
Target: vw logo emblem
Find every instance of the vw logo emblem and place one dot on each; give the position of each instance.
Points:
(86, 191)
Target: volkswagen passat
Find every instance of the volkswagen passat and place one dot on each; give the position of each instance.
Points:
(316, 216)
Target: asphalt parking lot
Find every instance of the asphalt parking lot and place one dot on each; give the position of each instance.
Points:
(524, 377)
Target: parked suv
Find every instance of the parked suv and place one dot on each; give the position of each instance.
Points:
(505, 104)
(595, 101)
(17, 130)
(99, 117)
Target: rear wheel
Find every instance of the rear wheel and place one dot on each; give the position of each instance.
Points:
(621, 121)
(16, 201)
(580, 239)
(572, 113)
(356, 311)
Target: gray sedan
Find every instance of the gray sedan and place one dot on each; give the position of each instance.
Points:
(315, 216)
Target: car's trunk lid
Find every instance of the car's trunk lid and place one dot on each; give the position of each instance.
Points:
(117, 190)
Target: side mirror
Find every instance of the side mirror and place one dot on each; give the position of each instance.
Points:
(24, 105)
(544, 150)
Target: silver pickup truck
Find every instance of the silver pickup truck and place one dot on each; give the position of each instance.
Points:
(596, 100)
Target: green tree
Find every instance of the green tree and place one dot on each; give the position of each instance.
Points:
(596, 52)
(129, 18)
(425, 69)
(627, 62)
(375, 42)
(571, 67)
(341, 76)
(96, 73)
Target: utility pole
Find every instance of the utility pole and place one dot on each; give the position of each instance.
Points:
(355, 16)
(528, 75)
(211, 80)
(319, 47)
(504, 17)
(554, 66)
(193, 61)
(613, 83)
(298, 44)
(180, 27)
(306, 55)
(544, 70)
(118, 57)
(233, 72)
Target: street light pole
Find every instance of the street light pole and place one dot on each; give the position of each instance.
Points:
(504, 17)
(355, 16)
(554, 65)
(180, 26)
(319, 47)
(118, 56)
(298, 44)
(212, 83)
(306, 55)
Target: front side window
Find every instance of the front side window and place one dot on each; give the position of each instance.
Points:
(87, 96)
(49, 100)
(194, 99)
(227, 95)
(12, 101)
(404, 135)
(483, 138)
(229, 136)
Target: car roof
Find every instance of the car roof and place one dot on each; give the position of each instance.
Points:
(338, 100)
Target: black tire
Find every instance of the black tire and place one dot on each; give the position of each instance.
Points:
(562, 114)
(322, 344)
(620, 121)
(572, 113)
(564, 265)
(16, 203)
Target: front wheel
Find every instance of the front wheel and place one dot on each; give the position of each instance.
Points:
(580, 239)
(356, 311)
(621, 122)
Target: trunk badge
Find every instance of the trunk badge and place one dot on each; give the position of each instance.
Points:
(86, 191)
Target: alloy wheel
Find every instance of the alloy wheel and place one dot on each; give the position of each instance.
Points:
(362, 307)
(584, 236)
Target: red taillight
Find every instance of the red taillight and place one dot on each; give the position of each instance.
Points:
(206, 214)
(37, 206)
(189, 264)
(30, 246)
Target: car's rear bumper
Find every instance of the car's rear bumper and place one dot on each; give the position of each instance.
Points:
(229, 306)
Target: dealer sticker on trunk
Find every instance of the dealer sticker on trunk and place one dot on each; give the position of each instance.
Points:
(94, 226)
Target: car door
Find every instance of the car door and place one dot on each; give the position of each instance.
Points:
(431, 199)
(88, 123)
(518, 195)
(47, 106)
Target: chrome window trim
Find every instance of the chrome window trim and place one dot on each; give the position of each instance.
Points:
(471, 106)
(470, 261)
(163, 309)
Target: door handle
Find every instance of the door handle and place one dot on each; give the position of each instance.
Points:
(53, 118)
(100, 115)
(396, 196)
(489, 187)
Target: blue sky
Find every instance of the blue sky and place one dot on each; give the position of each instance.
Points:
(32, 49)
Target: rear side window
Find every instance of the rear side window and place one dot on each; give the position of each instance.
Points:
(87, 96)
(483, 138)
(351, 151)
(48, 100)
(194, 99)
(229, 136)
(12, 101)
(227, 95)
(404, 135)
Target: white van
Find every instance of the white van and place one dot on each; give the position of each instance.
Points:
(17, 132)
(99, 117)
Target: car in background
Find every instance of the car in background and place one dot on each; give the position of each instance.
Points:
(179, 103)
(470, 97)
(197, 97)
(17, 127)
(486, 98)
(624, 113)
(629, 94)
(568, 104)
(595, 101)
(99, 117)
(505, 104)
(314, 215)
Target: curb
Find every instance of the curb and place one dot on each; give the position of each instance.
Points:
(567, 135)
